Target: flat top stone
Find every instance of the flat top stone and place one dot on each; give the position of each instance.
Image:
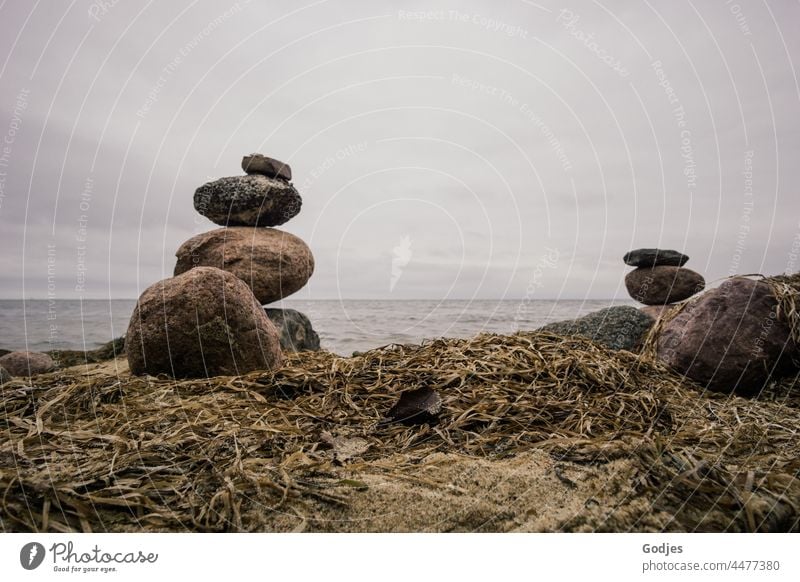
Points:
(261, 164)
(654, 258)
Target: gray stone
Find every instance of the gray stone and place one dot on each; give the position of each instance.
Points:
(654, 258)
(619, 328)
(252, 200)
(269, 167)
(294, 329)
(4, 376)
(27, 363)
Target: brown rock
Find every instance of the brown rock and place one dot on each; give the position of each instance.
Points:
(202, 323)
(663, 284)
(418, 406)
(258, 164)
(729, 339)
(27, 363)
(273, 263)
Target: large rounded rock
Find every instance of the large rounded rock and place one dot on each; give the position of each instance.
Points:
(252, 200)
(654, 257)
(729, 339)
(294, 329)
(4, 376)
(664, 284)
(203, 323)
(273, 263)
(619, 328)
(27, 363)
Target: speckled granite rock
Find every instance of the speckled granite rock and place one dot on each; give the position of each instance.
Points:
(619, 328)
(252, 200)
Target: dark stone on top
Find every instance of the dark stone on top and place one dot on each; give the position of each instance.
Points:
(294, 329)
(654, 258)
(252, 200)
(619, 328)
(258, 164)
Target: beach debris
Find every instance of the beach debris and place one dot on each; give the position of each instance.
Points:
(731, 339)
(269, 167)
(419, 406)
(654, 257)
(202, 323)
(295, 330)
(272, 262)
(27, 363)
(620, 328)
(4, 376)
(663, 284)
(345, 448)
(251, 200)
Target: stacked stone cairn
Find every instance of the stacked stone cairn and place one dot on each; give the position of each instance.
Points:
(660, 279)
(209, 319)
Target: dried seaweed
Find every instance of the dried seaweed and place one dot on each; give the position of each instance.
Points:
(93, 450)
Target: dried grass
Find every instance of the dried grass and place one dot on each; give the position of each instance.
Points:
(111, 452)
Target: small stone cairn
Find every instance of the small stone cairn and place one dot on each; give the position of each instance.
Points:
(272, 262)
(660, 278)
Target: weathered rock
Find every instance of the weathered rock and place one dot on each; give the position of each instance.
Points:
(252, 200)
(418, 406)
(269, 167)
(273, 263)
(654, 258)
(729, 339)
(294, 330)
(202, 323)
(662, 285)
(4, 376)
(27, 363)
(619, 328)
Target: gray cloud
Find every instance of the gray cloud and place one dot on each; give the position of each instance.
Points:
(485, 133)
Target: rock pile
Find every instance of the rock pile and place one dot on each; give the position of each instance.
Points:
(273, 263)
(660, 277)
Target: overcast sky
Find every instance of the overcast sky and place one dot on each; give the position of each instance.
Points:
(489, 149)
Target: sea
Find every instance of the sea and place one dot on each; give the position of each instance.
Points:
(344, 326)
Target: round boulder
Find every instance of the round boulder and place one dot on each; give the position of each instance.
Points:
(729, 339)
(252, 200)
(620, 328)
(202, 323)
(663, 284)
(4, 376)
(273, 263)
(654, 258)
(27, 363)
(294, 329)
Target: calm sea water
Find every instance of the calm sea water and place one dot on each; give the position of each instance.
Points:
(343, 326)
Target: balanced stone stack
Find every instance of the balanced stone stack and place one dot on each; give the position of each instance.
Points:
(273, 263)
(660, 278)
